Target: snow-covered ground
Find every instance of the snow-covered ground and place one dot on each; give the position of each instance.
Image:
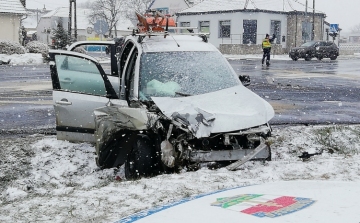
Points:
(23, 59)
(45, 180)
(277, 56)
(36, 59)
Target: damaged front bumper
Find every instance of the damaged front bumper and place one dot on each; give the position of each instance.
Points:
(263, 152)
(220, 126)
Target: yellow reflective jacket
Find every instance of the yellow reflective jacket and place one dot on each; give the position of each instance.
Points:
(266, 43)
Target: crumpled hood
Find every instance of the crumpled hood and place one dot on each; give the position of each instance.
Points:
(226, 110)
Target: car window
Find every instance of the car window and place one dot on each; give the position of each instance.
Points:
(130, 74)
(309, 44)
(79, 75)
(124, 56)
(330, 44)
(322, 44)
(172, 74)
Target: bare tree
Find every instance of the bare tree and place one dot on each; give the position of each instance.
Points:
(85, 5)
(108, 10)
(133, 6)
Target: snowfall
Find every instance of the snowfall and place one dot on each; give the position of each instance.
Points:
(46, 180)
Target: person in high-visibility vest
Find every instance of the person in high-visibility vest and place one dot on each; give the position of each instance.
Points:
(266, 46)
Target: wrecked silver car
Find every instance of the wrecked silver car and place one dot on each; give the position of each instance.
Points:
(174, 103)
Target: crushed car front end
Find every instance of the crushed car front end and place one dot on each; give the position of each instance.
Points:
(187, 106)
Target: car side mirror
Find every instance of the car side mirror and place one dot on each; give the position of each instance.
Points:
(245, 80)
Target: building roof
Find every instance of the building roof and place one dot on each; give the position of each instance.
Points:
(12, 6)
(233, 5)
(32, 18)
(82, 18)
(58, 12)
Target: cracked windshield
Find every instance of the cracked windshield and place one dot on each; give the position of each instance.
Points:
(115, 111)
(184, 74)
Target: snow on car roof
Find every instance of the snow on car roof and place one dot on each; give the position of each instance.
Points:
(176, 43)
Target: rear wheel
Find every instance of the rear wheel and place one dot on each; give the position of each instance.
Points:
(142, 159)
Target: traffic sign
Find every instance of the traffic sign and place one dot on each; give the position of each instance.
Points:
(334, 28)
(89, 30)
(101, 27)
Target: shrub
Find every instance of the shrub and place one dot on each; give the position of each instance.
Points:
(9, 47)
(37, 47)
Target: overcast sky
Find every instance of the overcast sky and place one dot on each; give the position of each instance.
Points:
(343, 12)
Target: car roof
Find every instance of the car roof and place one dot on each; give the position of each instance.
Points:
(91, 42)
(175, 43)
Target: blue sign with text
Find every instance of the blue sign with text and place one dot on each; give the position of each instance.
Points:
(334, 28)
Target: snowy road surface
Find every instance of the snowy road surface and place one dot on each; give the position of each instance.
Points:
(45, 180)
(306, 92)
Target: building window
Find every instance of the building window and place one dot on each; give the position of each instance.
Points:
(204, 26)
(276, 29)
(250, 31)
(306, 31)
(184, 24)
(224, 29)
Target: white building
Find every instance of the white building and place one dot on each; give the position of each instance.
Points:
(31, 20)
(233, 22)
(11, 12)
(85, 31)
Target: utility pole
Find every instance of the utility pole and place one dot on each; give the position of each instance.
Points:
(70, 21)
(313, 25)
(246, 4)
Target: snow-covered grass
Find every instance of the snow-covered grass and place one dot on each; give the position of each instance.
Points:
(45, 180)
(23, 59)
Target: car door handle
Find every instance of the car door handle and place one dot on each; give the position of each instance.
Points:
(63, 101)
(66, 80)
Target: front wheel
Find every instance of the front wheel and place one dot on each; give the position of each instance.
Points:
(294, 58)
(142, 159)
(319, 58)
(333, 58)
(307, 58)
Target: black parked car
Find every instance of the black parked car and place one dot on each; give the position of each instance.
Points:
(317, 49)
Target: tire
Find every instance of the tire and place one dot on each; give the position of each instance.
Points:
(333, 58)
(319, 58)
(307, 58)
(142, 160)
(294, 58)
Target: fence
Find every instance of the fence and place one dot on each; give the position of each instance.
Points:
(349, 48)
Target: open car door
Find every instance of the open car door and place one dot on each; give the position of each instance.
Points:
(80, 85)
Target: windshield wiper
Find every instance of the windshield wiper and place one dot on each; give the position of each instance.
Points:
(183, 94)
